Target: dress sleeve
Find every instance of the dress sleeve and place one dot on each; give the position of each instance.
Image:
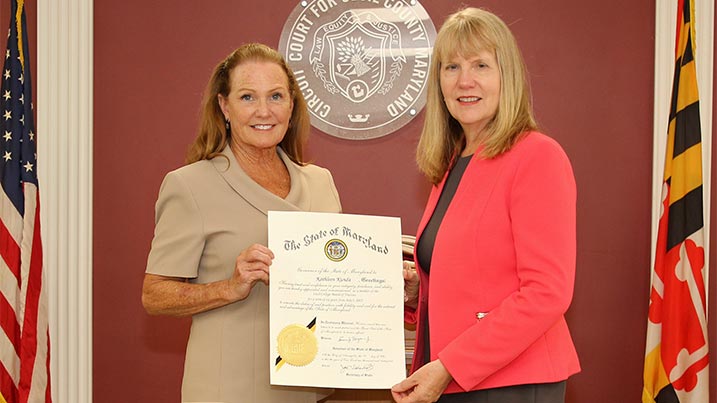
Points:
(178, 234)
(542, 208)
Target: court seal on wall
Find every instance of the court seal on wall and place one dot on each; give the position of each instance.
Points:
(361, 65)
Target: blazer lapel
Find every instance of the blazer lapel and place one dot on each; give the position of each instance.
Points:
(474, 189)
(477, 185)
(430, 207)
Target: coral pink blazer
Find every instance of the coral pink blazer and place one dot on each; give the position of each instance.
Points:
(502, 271)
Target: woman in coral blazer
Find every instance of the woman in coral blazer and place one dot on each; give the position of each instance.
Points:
(495, 251)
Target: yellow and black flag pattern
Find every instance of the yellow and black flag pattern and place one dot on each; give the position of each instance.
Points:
(676, 354)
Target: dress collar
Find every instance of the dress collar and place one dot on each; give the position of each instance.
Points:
(260, 198)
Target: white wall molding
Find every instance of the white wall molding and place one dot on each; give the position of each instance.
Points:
(64, 116)
(665, 28)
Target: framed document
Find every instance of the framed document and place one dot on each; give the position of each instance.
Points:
(336, 300)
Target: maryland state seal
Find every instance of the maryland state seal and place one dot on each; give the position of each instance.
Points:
(362, 65)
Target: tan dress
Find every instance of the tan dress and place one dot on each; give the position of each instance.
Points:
(206, 214)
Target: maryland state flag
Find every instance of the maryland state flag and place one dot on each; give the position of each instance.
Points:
(676, 355)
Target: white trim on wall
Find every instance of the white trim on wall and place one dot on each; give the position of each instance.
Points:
(64, 116)
(665, 26)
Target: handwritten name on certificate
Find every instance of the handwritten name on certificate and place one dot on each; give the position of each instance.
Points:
(336, 300)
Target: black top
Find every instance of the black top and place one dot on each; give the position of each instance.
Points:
(424, 248)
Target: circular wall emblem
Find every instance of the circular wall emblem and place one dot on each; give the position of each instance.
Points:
(336, 250)
(361, 65)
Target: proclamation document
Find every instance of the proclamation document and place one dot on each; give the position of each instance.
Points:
(336, 300)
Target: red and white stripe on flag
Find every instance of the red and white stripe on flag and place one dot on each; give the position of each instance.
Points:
(24, 330)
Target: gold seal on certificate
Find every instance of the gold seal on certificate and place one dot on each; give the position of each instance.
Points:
(297, 345)
(336, 250)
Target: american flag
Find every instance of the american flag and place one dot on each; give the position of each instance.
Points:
(24, 331)
(677, 356)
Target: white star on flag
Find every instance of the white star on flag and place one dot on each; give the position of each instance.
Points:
(24, 328)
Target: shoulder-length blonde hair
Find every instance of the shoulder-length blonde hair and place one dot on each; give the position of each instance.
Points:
(213, 134)
(465, 33)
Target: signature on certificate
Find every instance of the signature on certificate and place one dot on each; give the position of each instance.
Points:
(353, 339)
(356, 369)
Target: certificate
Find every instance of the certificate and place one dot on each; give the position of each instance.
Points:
(336, 300)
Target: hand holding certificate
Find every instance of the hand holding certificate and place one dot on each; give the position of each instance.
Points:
(336, 300)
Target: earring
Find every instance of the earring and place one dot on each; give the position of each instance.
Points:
(226, 124)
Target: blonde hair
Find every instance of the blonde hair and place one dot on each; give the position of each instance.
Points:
(213, 134)
(465, 33)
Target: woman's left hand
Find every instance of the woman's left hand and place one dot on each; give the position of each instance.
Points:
(424, 386)
(251, 266)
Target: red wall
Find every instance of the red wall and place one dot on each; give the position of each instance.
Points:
(591, 66)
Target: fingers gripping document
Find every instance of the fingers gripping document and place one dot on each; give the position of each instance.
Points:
(336, 300)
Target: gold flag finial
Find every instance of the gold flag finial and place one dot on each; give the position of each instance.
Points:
(18, 22)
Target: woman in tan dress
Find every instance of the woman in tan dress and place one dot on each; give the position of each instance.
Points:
(208, 258)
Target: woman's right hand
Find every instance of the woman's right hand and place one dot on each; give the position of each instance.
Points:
(251, 265)
(174, 296)
(423, 386)
(411, 282)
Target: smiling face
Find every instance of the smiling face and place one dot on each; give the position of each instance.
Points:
(471, 90)
(258, 106)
